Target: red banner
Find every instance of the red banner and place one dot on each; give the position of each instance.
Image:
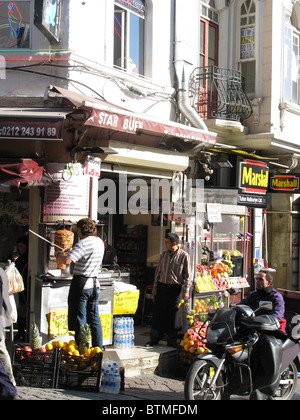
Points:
(135, 124)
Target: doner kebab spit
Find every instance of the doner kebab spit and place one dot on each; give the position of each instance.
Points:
(46, 240)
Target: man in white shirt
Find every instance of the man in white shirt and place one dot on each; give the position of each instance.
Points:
(83, 299)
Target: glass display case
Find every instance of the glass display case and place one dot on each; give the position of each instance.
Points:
(219, 252)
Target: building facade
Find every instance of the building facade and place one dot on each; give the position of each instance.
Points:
(157, 89)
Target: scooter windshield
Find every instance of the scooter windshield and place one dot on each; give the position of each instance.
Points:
(221, 329)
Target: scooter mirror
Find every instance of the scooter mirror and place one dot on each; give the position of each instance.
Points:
(265, 305)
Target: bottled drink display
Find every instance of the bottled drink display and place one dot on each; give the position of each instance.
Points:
(124, 332)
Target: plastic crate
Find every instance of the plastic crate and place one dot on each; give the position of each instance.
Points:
(36, 358)
(36, 369)
(34, 376)
(79, 372)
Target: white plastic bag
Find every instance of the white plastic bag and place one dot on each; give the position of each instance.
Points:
(14, 279)
(14, 312)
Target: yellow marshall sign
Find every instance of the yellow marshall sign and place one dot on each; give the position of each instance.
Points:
(254, 177)
(284, 183)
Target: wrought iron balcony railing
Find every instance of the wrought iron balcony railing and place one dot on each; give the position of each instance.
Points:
(219, 93)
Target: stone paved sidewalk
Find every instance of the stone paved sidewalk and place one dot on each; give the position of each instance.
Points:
(146, 387)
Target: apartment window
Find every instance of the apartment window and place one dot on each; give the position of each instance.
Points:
(209, 41)
(248, 44)
(208, 11)
(292, 54)
(209, 35)
(129, 36)
(15, 23)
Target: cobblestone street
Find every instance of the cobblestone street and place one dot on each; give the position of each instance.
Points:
(146, 387)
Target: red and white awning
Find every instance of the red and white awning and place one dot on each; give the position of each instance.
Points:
(112, 117)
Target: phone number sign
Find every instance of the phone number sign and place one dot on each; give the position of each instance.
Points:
(31, 128)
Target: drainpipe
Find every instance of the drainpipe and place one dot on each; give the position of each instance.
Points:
(182, 67)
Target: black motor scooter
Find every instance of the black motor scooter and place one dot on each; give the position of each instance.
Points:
(249, 356)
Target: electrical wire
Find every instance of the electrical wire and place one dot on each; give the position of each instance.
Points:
(38, 73)
(79, 67)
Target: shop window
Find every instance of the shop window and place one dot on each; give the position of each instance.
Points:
(15, 24)
(129, 36)
(292, 53)
(248, 44)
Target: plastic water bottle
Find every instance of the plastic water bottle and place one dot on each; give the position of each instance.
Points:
(125, 337)
(117, 383)
(104, 383)
(110, 383)
(115, 378)
(117, 327)
(117, 341)
(132, 326)
(131, 340)
(123, 326)
(106, 365)
(122, 344)
(115, 367)
(128, 325)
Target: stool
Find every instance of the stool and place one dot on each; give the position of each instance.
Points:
(146, 313)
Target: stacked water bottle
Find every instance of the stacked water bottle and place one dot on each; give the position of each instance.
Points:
(124, 332)
(111, 378)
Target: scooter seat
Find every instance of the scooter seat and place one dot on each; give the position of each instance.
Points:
(262, 323)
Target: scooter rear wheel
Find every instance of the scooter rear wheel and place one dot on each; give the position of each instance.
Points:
(198, 382)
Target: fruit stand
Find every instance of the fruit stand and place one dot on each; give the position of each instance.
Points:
(212, 290)
(213, 283)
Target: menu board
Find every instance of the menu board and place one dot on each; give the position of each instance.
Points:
(67, 198)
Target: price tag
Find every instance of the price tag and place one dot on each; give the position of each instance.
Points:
(181, 212)
(92, 167)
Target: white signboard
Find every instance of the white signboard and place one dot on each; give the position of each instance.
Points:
(67, 198)
(214, 213)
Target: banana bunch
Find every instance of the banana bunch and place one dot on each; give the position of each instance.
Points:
(227, 261)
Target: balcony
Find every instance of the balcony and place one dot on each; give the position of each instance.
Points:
(218, 93)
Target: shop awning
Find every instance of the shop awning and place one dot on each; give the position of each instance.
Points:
(109, 116)
(23, 173)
